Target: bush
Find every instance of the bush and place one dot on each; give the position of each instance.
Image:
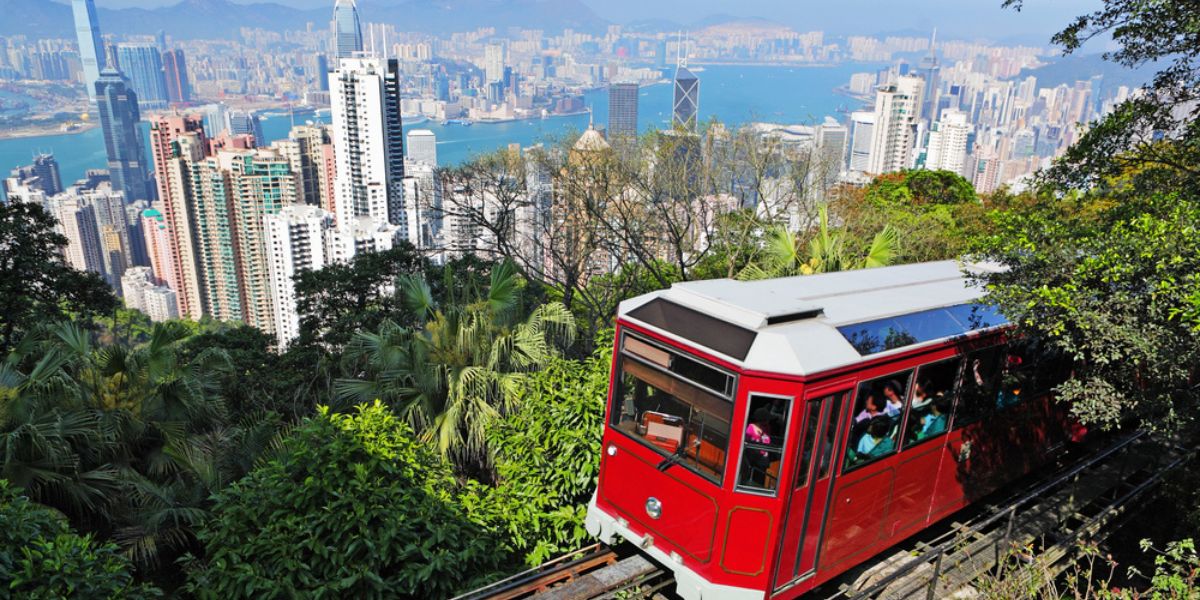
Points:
(41, 557)
(352, 506)
(547, 457)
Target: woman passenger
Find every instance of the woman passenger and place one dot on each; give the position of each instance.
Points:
(876, 442)
(895, 402)
(872, 408)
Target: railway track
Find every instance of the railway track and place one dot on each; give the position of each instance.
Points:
(1082, 500)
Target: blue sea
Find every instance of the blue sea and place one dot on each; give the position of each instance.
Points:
(731, 94)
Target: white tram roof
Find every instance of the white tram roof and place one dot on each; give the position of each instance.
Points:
(809, 324)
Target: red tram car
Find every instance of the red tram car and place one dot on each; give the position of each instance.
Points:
(764, 437)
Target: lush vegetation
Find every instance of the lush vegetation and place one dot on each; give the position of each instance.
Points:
(438, 425)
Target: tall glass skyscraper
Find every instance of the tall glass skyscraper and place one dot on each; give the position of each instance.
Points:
(118, 107)
(347, 31)
(622, 111)
(91, 47)
(142, 64)
(687, 98)
(175, 70)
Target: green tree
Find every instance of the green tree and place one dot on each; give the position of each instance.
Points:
(340, 300)
(547, 455)
(36, 286)
(352, 506)
(785, 254)
(42, 558)
(462, 366)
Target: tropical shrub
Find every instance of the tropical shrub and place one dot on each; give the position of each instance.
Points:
(352, 506)
(41, 557)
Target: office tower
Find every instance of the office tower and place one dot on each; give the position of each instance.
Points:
(176, 74)
(948, 142)
(76, 221)
(493, 63)
(347, 31)
(295, 244)
(862, 136)
(91, 47)
(142, 64)
(305, 150)
(158, 245)
(119, 115)
(240, 122)
(422, 205)
(897, 111)
(41, 176)
(622, 111)
(931, 71)
(369, 141)
(322, 74)
(174, 190)
(831, 140)
(422, 147)
(687, 98)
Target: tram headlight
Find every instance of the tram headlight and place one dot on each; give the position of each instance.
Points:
(612, 449)
(653, 507)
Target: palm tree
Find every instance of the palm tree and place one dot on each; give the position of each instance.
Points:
(461, 367)
(828, 251)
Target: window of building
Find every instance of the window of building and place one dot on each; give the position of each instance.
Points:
(875, 424)
(932, 401)
(762, 443)
(684, 420)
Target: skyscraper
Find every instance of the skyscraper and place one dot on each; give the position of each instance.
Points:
(897, 112)
(142, 64)
(118, 108)
(76, 221)
(91, 47)
(931, 71)
(369, 141)
(422, 147)
(347, 31)
(831, 145)
(622, 111)
(41, 176)
(176, 74)
(687, 98)
(240, 122)
(862, 136)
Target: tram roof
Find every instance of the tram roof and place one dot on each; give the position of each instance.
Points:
(809, 324)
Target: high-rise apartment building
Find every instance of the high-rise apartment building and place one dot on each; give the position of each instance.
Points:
(158, 245)
(142, 64)
(897, 113)
(369, 141)
(831, 138)
(307, 149)
(91, 46)
(159, 304)
(119, 116)
(42, 176)
(295, 241)
(623, 111)
(175, 185)
(76, 221)
(347, 31)
(422, 147)
(948, 142)
(241, 122)
(493, 63)
(179, 90)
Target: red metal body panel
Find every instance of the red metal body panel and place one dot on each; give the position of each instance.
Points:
(751, 540)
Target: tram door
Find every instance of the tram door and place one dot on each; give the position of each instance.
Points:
(806, 508)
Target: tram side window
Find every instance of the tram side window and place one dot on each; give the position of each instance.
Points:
(676, 418)
(762, 443)
(875, 431)
(812, 418)
(932, 401)
(980, 382)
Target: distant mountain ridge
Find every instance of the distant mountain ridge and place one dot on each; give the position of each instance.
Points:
(193, 19)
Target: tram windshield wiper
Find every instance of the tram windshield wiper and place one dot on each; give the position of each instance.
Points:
(679, 454)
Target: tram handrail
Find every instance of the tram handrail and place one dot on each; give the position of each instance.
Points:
(937, 553)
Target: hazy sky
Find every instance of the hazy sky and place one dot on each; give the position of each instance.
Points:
(955, 18)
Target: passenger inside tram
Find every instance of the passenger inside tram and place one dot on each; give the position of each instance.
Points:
(758, 434)
(936, 385)
(872, 406)
(893, 393)
(935, 422)
(877, 440)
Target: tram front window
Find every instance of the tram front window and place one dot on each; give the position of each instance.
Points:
(687, 424)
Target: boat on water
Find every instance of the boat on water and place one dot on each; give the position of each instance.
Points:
(463, 122)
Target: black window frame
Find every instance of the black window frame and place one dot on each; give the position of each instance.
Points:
(852, 436)
(738, 486)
